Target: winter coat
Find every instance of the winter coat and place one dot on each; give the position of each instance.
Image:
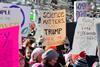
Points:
(81, 63)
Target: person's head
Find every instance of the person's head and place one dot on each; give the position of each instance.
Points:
(61, 48)
(27, 52)
(82, 54)
(50, 57)
(37, 65)
(36, 55)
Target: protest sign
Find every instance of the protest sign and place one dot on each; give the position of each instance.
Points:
(85, 38)
(80, 9)
(9, 56)
(8, 15)
(24, 16)
(54, 27)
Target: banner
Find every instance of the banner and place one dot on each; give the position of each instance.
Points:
(9, 56)
(54, 27)
(85, 38)
(24, 16)
(80, 9)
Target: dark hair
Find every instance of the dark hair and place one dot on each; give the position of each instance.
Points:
(45, 63)
(60, 47)
(54, 1)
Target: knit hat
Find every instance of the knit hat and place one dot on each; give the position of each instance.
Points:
(50, 54)
(37, 65)
(82, 54)
(36, 52)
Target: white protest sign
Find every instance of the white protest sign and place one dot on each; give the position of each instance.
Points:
(24, 15)
(9, 15)
(85, 38)
(54, 27)
(80, 9)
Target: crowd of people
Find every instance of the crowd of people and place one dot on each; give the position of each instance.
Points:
(34, 54)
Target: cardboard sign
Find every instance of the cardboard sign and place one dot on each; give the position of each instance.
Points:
(85, 38)
(9, 56)
(54, 27)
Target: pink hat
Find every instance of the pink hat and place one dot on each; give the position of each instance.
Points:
(37, 65)
(36, 52)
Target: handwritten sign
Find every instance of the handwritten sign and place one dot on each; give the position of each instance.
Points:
(9, 47)
(85, 38)
(54, 27)
(80, 9)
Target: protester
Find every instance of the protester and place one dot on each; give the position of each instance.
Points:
(36, 56)
(27, 56)
(60, 50)
(28, 42)
(49, 59)
(27, 48)
(96, 64)
(27, 51)
(37, 65)
(91, 59)
(61, 59)
(68, 59)
(21, 60)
